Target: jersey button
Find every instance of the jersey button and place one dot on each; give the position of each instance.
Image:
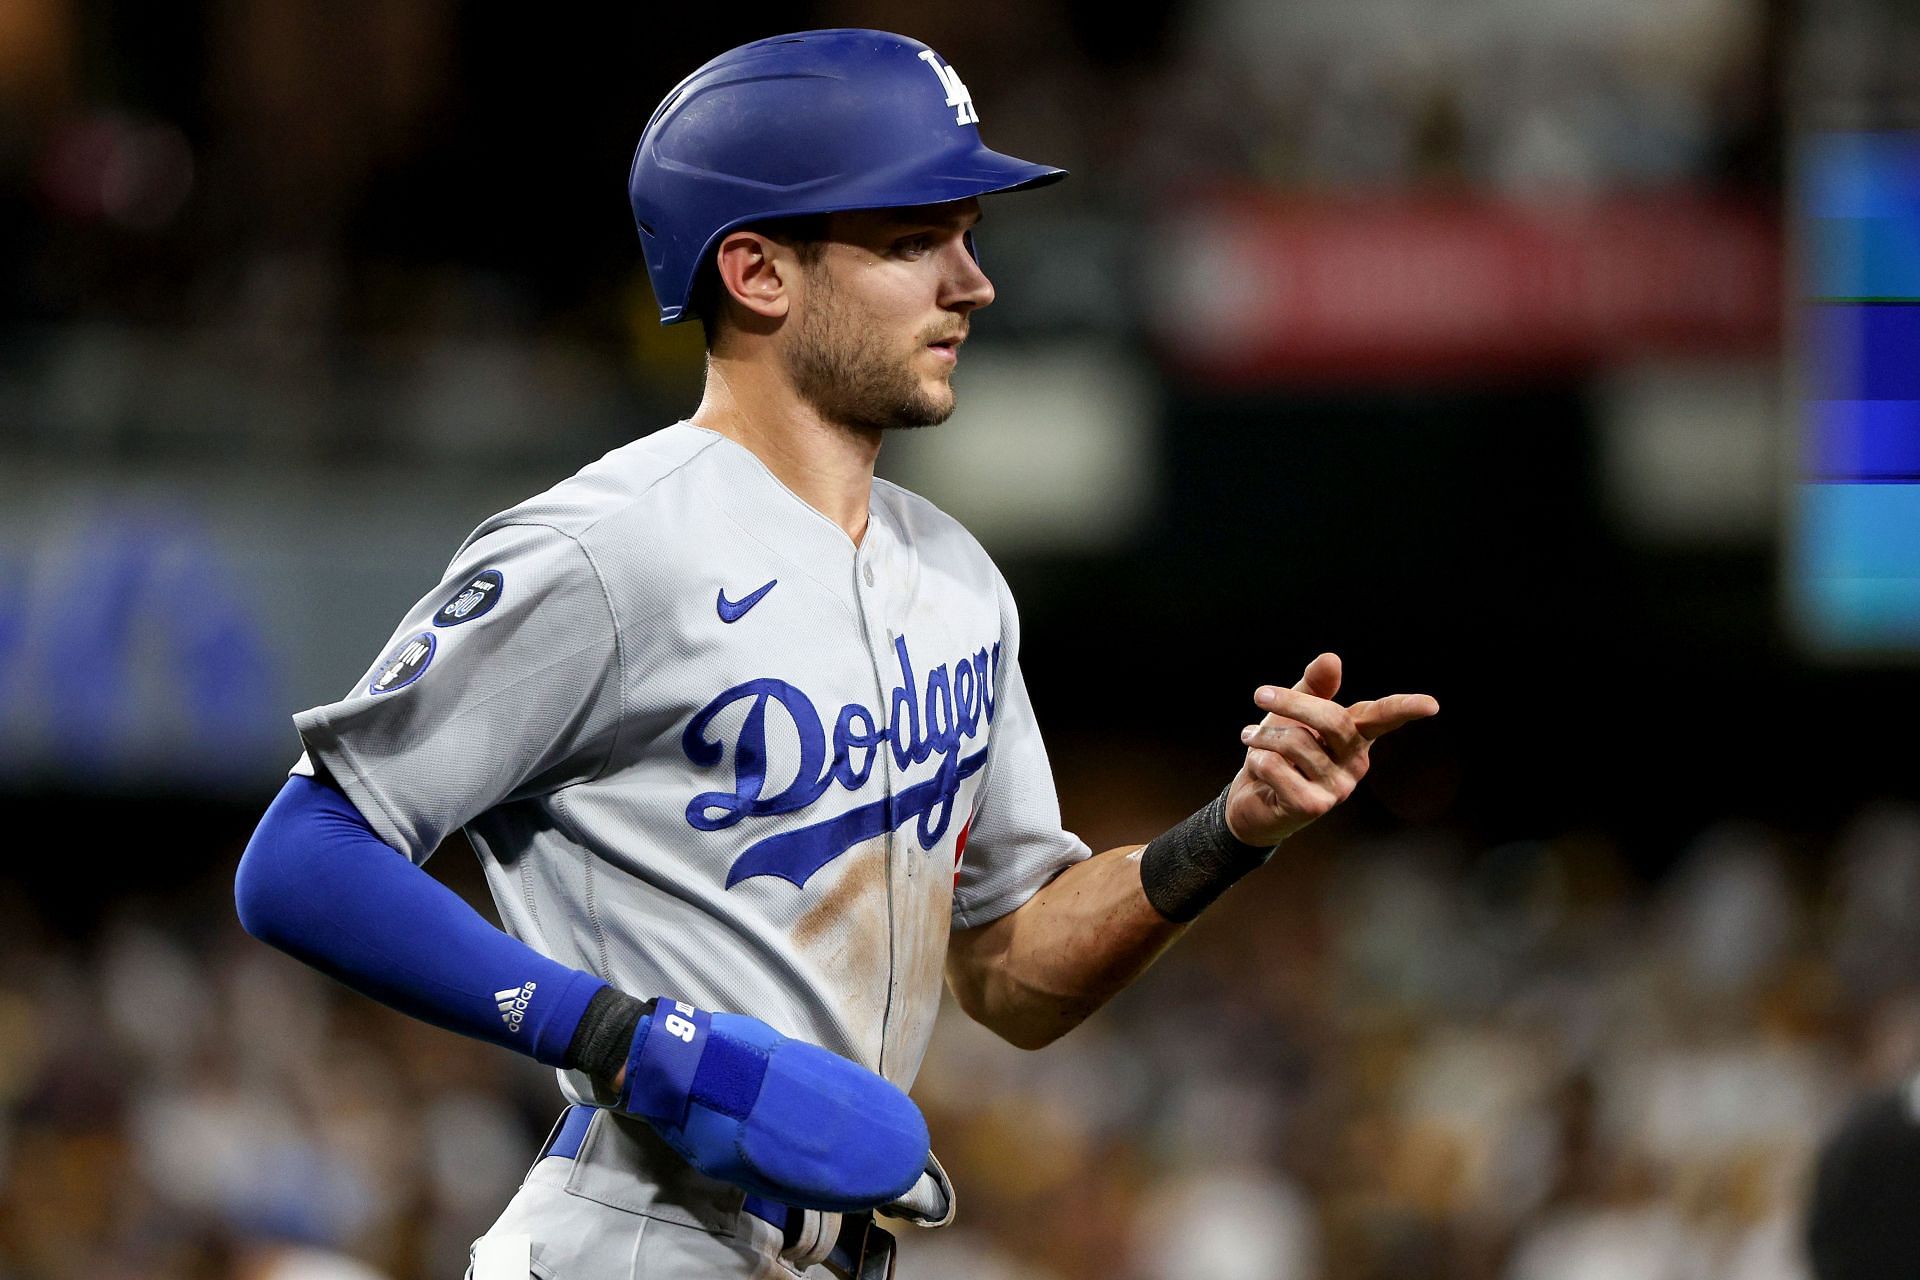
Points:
(867, 573)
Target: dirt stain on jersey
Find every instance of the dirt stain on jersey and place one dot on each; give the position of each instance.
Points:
(845, 933)
(921, 964)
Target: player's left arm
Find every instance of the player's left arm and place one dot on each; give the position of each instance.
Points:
(1037, 972)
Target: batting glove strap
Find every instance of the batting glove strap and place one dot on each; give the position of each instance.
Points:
(663, 1068)
(1193, 863)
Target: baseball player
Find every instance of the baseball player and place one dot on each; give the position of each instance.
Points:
(739, 732)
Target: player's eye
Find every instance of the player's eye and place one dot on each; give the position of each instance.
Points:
(913, 246)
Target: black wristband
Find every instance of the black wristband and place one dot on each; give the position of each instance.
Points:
(604, 1038)
(1187, 867)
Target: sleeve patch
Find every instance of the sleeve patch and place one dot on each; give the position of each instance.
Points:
(405, 666)
(475, 600)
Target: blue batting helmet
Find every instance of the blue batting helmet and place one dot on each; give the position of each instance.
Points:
(816, 122)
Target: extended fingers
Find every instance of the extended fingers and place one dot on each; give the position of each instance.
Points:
(1328, 719)
(1382, 716)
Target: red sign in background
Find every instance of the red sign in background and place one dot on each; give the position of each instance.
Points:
(1260, 290)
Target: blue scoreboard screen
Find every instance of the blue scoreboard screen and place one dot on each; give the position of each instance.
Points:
(1854, 553)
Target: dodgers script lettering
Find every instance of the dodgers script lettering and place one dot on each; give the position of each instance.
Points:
(924, 720)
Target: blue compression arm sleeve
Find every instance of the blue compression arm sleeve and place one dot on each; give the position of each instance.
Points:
(317, 883)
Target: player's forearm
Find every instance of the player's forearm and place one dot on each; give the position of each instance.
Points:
(317, 883)
(1035, 974)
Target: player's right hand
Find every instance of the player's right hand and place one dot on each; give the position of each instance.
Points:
(1309, 753)
(782, 1118)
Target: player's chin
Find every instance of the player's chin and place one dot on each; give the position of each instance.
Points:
(933, 406)
(938, 403)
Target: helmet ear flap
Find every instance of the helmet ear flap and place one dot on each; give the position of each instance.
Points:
(973, 248)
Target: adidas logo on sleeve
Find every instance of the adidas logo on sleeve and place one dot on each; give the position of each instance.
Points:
(513, 1003)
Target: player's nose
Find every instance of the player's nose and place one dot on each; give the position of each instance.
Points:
(967, 285)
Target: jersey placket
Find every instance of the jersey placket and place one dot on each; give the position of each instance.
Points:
(869, 587)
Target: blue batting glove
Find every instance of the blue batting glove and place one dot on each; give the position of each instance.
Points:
(782, 1118)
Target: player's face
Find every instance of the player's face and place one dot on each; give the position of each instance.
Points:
(884, 312)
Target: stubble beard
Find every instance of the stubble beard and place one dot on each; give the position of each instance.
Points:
(845, 371)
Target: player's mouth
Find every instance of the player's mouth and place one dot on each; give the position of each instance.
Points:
(948, 348)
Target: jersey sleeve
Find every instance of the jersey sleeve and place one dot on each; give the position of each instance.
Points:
(1015, 843)
(502, 682)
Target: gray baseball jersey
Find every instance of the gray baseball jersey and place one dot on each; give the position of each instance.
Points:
(708, 748)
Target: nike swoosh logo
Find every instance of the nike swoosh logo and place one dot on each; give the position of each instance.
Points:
(731, 611)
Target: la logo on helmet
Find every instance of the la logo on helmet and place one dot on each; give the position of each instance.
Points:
(957, 95)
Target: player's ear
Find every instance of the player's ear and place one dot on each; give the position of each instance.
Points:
(758, 274)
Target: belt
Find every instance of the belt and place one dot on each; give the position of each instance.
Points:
(862, 1250)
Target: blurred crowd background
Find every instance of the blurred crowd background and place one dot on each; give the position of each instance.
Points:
(1467, 340)
(1407, 1056)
